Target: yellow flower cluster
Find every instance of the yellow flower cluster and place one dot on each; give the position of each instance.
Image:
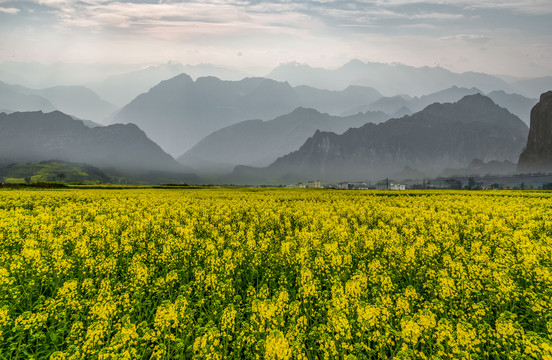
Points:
(275, 274)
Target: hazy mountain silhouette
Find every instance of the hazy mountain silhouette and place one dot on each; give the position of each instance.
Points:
(534, 87)
(400, 104)
(390, 79)
(440, 136)
(122, 88)
(259, 143)
(389, 105)
(516, 104)
(38, 136)
(89, 123)
(336, 102)
(179, 112)
(75, 100)
(12, 100)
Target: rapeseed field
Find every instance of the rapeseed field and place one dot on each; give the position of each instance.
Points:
(275, 274)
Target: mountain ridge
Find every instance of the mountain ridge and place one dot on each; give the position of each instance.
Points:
(75, 100)
(38, 136)
(195, 109)
(258, 143)
(440, 136)
(387, 78)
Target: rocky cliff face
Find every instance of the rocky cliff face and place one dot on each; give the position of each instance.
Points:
(537, 156)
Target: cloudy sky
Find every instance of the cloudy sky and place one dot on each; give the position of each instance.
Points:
(494, 36)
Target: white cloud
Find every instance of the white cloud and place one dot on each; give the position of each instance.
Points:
(9, 10)
(480, 39)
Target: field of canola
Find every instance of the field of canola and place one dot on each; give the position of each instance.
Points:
(275, 274)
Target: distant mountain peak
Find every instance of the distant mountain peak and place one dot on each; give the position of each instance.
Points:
(354, 63)
(476, 98)
(174, 63)
(179, 78)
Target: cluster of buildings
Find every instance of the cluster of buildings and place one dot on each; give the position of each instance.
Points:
(312, 184)
(512, 182)
(382, 185)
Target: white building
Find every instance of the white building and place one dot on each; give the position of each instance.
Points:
(314, 184)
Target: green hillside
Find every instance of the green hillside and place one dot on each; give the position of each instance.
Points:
(52, 171)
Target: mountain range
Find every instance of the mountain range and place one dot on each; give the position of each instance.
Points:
(75, 100)
(400, 105)
(123, 88)
(259, 143)
(37, 136)
(390, 79)
(206, 120)
(439, 137)
(193, 110)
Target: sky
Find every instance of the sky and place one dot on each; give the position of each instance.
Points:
(502, 37)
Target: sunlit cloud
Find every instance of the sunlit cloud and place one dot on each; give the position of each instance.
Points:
(9, 10)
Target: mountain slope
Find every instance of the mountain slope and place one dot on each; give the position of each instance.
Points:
(36, 136)
(259, 143)
(516, 104)
(123, 88)
(75, 100)
(395, 104)
(336, 102)
(15, 101)
(440, 136)
(534, 87)
(53, 170)
(79, 101)
(179, 112)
